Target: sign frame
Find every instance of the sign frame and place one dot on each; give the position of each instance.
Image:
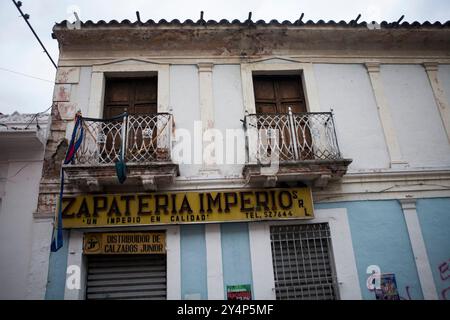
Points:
(127, 243)
(188, 207)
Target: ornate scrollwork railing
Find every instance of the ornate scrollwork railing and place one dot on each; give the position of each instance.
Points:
(293, 136)
(140, 138)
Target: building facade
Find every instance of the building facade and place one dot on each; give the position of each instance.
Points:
(22, 144)
(264, 160)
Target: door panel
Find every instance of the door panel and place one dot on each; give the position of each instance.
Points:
(264, 88)
(265, 95)
(117, 91)
(266, 107)
(145, 90)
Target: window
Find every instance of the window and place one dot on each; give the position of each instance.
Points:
(303, 263)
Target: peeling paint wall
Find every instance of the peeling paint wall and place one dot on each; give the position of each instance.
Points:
(71, 93)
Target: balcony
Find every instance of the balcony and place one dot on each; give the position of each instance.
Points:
(292, 147)
(145, 142)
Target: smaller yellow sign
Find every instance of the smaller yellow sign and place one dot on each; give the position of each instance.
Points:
(124, 243)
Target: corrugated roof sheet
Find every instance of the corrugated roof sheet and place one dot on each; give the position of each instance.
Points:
(236, 22)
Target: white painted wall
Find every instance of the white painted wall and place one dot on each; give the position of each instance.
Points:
(344, 87)
(228, 111)
(80, 96)
(3, 175)
(423, 141)
(444, 78)
(184, 102)
(39, 259)
(19, 199)
(214, 265)
(347, 90)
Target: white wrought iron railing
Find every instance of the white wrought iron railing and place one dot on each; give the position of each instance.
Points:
(292, 136)
(140, 138)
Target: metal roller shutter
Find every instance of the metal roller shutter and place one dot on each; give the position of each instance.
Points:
(126, 277)
(302, 262)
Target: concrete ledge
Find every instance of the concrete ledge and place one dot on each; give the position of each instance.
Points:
(144, 177)
(313, 172)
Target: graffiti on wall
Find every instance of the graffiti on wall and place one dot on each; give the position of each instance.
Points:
(374, 281)
(444, 274)
(408, 294)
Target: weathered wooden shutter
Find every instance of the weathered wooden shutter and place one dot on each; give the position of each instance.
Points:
(303, 263)
(126, 277)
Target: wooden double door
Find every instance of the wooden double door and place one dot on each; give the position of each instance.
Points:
(138, 97)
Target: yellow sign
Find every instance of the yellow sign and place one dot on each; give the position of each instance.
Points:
(186, 207)
(124, 243)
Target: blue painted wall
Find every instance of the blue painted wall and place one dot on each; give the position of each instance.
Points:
(193, 261)
(236, 261)
(57, 271)
(434, 219)
(380, 237)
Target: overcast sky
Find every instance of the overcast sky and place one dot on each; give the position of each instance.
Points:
(20, 52)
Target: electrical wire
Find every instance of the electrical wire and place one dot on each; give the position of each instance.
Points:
(14, 175)
(36, 115)
(25, 75)
(389, 188)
